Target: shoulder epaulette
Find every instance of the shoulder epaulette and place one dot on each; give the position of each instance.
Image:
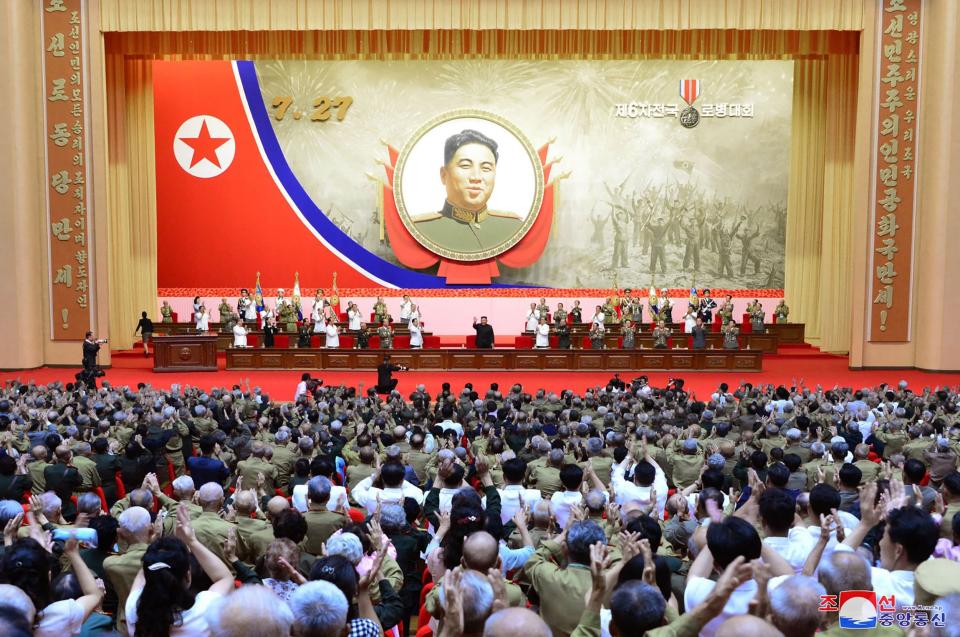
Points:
(430, 216)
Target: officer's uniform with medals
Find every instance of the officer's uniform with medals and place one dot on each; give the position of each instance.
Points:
(467, 231)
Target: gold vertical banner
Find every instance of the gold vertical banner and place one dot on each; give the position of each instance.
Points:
(65, 122)
(895, 178)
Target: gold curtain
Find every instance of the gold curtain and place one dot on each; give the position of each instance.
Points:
(818, 259)
(603, 15)
(819, 215)
(132, 196)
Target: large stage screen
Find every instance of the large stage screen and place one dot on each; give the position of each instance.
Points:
(432, 174)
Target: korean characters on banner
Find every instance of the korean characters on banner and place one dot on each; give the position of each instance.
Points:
(65, 117)
(896, 170)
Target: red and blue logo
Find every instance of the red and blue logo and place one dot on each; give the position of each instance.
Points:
(858, 609)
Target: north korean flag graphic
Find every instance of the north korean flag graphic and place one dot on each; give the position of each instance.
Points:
(228, 204)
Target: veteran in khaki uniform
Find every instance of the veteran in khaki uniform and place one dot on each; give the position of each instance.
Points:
(321, 523)
(254, 534)
(562, 590)
(546, 478)
(210, 528)
(464, 224)
(135, 532)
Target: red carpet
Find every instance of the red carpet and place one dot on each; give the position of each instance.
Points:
(130, 368)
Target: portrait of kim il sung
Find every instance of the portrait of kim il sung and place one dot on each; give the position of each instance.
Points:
(468, 185)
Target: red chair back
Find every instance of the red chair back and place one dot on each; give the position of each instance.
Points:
(401, 342)
(586, 342)
(523, 342)
(431, 342)
(103, 499)
(252, 340)
(121, 489)
(472, 342)
(315, 341)
(175, 317)
(374, 342)
(346, 342)
(281, 341)
(554, 342)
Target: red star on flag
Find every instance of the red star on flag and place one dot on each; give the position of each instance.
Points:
(204, 146)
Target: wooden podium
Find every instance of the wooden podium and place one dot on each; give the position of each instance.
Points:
(185, 353)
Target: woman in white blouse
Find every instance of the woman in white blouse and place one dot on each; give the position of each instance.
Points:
(354, 320)
(416, 335)
(333, 336)
(316, 315)
(406, 306)
(415, 313)
(203, 320)
(689, 320)
(162, 587)
(26, 565)
(533, 318)
(239, 335)
(598, 317)
(543, 334)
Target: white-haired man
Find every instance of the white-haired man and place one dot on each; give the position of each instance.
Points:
(319, 610)
(795, 606)
(251, 606)
(135, 532)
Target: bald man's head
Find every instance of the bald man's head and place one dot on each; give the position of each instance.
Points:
(277, 505)
(480, 552)
(510, 622)
(747, 626)
(245, 501)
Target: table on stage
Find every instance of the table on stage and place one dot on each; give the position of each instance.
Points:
(185, 353)
(256, 358)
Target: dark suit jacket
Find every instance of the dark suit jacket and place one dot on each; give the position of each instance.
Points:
(107, 467)
(699, 337)
(63, 481)
(484, 335)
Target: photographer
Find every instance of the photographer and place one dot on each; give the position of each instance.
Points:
(91, 370)
(386, 383)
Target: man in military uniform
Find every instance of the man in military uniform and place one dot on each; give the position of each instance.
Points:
(255, 465)
(781, 311)
(321, 522)
(691, 251)
(723, 239)
(385, 332)
(546, 478)
(135, 532)
(63, 478)
(86, 466)
(36, 468)
(464, 224)
(658, 249)
(746, 248)
(225, 313)
(380, 310)
(620, 222)
(660, 335)
(210, 528)
(869, 470)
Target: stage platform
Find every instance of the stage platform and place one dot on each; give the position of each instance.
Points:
(498, 359)
(768, 342)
